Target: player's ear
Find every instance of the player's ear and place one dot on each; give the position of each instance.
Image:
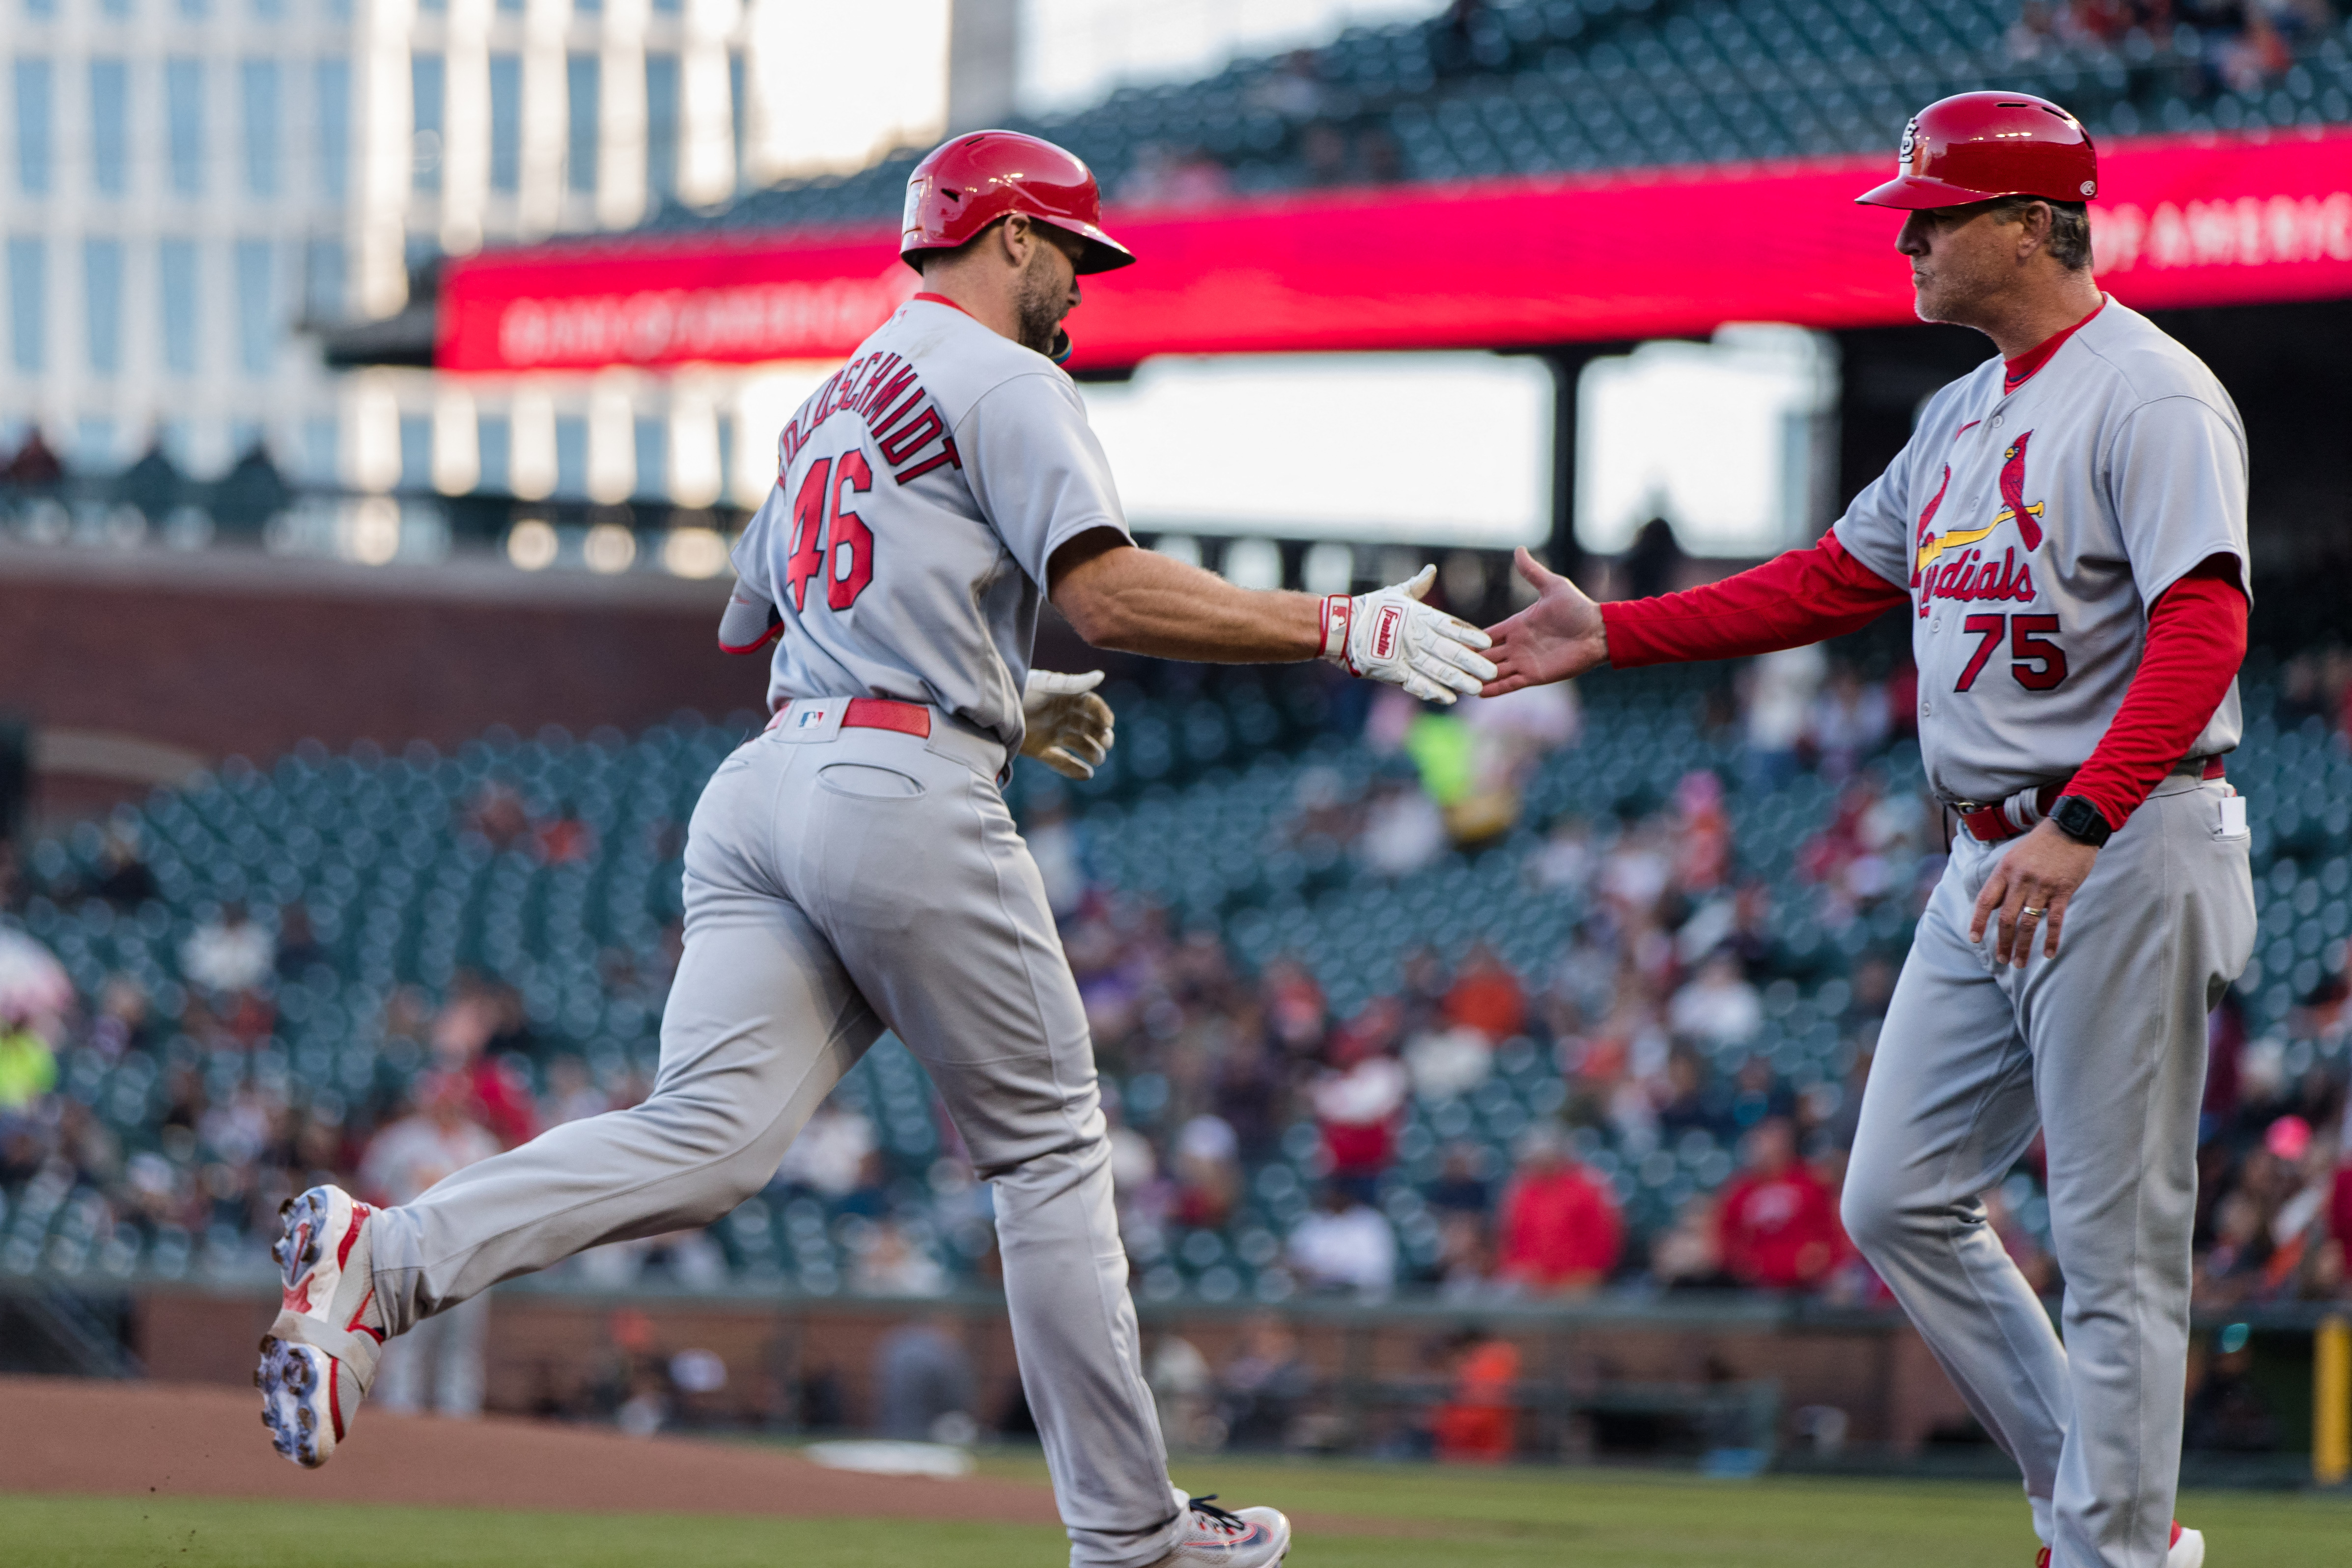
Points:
(1014, 235)
(2034, 223)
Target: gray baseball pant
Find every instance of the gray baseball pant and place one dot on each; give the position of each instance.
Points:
(839, 881)
(2103, 1048)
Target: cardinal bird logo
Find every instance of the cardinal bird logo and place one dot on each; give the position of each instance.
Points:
(2013, 495)
(2028, 518)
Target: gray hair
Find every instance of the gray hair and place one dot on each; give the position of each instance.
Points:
(2069, 226)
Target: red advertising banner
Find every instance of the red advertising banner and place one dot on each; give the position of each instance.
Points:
(1492, 264)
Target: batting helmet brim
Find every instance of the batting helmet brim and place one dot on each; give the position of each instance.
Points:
(1103, 254)
(1911, 192)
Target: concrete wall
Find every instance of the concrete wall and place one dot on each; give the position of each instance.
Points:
(548, 1352)
(215, 654)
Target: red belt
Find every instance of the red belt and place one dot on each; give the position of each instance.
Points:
(1990, 824)
(873, 713)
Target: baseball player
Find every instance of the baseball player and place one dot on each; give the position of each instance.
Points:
(2067, 531)
(854, 868)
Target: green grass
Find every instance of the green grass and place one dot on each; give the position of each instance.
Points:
(1411, 1517)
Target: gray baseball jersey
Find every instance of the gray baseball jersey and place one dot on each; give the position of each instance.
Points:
(919, 493)
(842, 879)
(2034, 525)
(2034, 521)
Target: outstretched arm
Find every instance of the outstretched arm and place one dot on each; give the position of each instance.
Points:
(1800, 597)
(1117, 595)
(1120, 596)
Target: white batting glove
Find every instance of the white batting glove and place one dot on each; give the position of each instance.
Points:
(1069, 726)
(1390, 635)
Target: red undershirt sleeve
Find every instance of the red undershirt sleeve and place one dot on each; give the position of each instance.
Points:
(2195, 640)
(1800, 597)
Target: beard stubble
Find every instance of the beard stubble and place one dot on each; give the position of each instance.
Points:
(1039, 303)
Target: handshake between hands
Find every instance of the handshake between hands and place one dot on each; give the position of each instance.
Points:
(1387, 634)
(1392, 636)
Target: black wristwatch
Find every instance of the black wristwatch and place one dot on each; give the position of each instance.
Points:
(2079, 820)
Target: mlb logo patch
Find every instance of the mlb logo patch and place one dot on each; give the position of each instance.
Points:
(806, 721)
(1387, 631)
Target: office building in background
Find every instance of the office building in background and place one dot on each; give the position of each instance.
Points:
(196, 195)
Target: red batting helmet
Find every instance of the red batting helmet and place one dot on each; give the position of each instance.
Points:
(1974, 146)
(968, 181)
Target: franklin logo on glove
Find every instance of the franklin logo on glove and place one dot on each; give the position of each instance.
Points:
(1390, 635)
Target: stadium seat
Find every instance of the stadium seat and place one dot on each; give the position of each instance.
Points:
(1549, 85)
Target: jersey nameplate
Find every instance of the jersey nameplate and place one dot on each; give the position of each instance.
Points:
(881, 389)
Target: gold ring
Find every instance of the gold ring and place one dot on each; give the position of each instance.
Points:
(2037, 914)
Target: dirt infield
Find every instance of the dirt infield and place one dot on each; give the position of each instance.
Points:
(59, 1434)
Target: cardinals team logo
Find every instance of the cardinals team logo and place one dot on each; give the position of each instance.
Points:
(1949, 566)
(2012, 496)
(1933, 547)
(1914, 147)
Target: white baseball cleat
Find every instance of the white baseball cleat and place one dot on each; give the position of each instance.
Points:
(1212, 1538)
(2188, 1550)
(319, 1357)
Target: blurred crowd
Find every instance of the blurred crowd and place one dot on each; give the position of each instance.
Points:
(2317, 684)
(1326, 140)
(1644, 1030)
(156, 485)
(2238, 45)
(1642, 1018)
(1330, 152)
